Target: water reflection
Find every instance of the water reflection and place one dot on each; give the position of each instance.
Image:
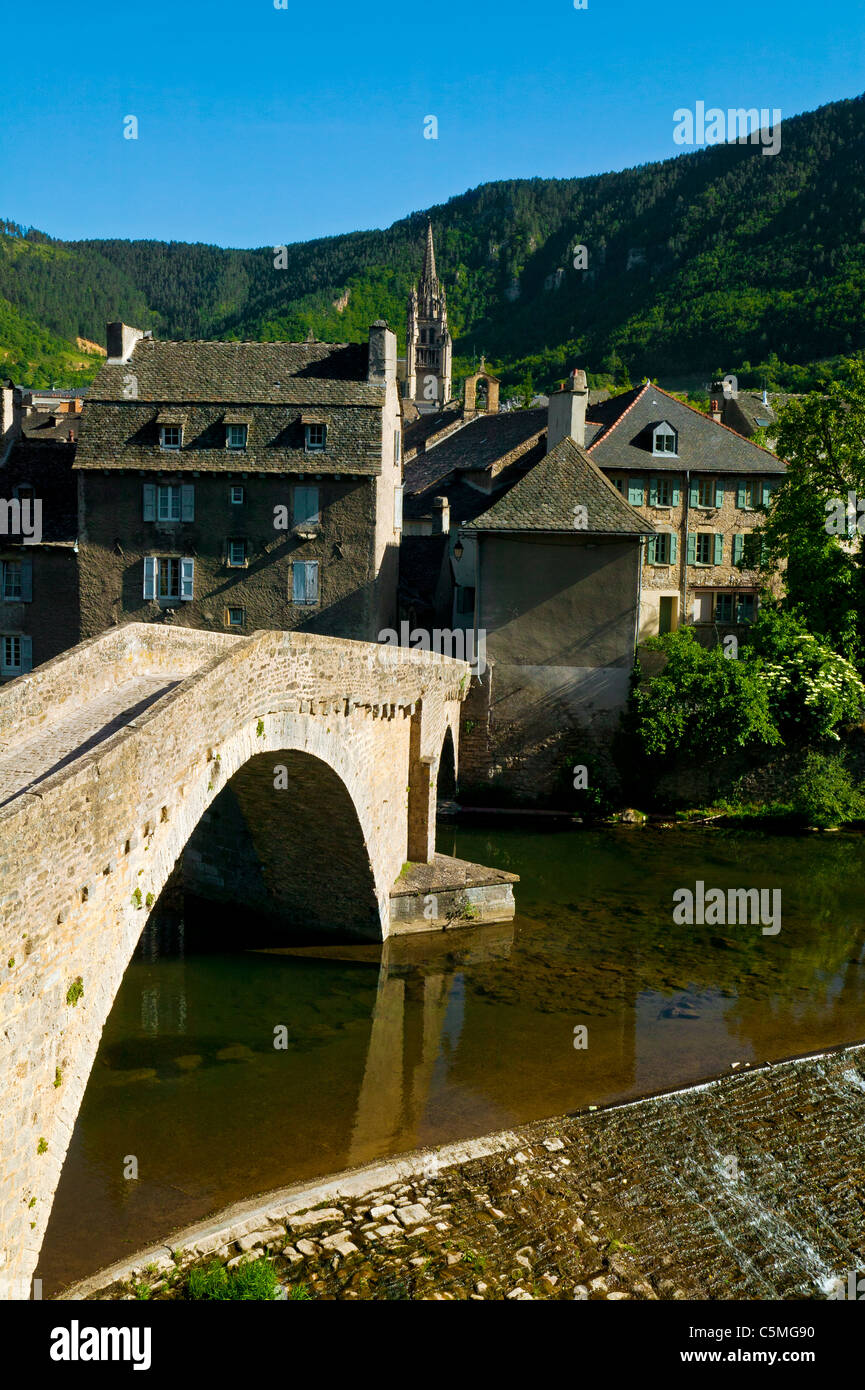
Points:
(431, 1039)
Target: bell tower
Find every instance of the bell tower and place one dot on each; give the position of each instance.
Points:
(428, 343)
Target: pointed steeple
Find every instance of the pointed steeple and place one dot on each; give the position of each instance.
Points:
(428, 277)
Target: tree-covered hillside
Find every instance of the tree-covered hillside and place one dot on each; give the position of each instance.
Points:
(712, 259)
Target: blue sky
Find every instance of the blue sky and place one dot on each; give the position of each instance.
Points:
(260, 126)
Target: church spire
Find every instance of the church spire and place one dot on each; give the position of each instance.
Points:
(428, 277)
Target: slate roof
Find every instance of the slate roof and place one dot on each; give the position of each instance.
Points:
(240, 372)
(39, 427)
(486, 442)
(625, 437)
(545, 497)
(205, 385)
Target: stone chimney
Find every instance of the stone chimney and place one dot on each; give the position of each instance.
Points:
(10, 418)
(382, 352)
(566, 413)
(441, 519)
(121, 340)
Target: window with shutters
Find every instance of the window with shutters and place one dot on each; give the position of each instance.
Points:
(171, 436)
(11, 655)
(304, 582)
(168, 502)
(749, 494)
(11, 581)
(662, 548)
(662, 491)
(316, 437)
(305, 506)
(704, 548)
(235, 436)
(236, 553)
(168, 577)
(665, 440)
(706, 492)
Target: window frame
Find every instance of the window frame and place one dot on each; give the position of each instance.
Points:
(230, 561)
(237, 501)
(308, 445)
(236, 448)
(163, 433)
(232, 608)
(708, 537)
(665, 430)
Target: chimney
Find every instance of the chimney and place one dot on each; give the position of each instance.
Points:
(566, 413)
(715, 411)
(765, 396)
(120, 341)
(10, 418)
(382, 352)
(441, 521)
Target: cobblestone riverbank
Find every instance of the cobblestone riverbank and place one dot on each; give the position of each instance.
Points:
(751, 1186)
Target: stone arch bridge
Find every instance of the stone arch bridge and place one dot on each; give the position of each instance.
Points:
(284, 771)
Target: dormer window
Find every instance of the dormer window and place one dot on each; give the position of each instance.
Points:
(665, 440)
(316, 437)
(170, 436)
(235, 436)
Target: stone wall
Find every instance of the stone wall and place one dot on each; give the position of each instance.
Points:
(82, 860)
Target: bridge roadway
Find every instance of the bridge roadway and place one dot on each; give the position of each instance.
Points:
(24, 765)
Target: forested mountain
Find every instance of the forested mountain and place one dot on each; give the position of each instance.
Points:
(724, 257)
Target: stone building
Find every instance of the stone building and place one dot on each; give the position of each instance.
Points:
(38, 528)
(429, 348)
(704, 487)
(235, 486)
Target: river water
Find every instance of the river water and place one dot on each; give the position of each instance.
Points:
(231, 1064)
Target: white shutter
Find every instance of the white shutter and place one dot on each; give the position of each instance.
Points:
(187, 502)
(150, 576)
(187, 578)
(397, 509)
(149, 501)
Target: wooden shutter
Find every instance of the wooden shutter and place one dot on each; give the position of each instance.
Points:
(150, 563)
(636, 491)
(695, 492)
(26, 654)
(742, 493)
(719, 492)
(738, 549)
(187, 578)
(26, 578)
(692, 547)
(148, 495)
(719, 547)
(768, 489)
(651, 549)
(312, 581)
(653, 491)
(676, 493)
(673, 547)
(187, 502)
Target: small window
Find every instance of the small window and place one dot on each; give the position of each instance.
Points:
(168, 570)
(665, 440)
(235, 617)
(750, 494)
(10, 577)
(662, 548)
(304, 582)
(618, 484)
(168, 502)
(171, 436)
(305, 509)
(235, 436)
(236, 554)
(705, 547)
(663, 491)
(10, 651)
(706, 492)
(316, 437)
(237, 496)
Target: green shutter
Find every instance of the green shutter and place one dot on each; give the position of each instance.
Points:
(719, 492)
(742, 493)
(676, 494)
(653, 491)
(738, 549)
(695, 492)
(764, 550)
(672, 547)
(636, 491)
(650, 549)
(148, 492)
(768, 489)
(26, 655)
(719, 547)
(692, 547)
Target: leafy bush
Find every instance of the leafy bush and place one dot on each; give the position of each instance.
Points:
(812, 689)
(701, 701)
(824, 793)
(250, 1279)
